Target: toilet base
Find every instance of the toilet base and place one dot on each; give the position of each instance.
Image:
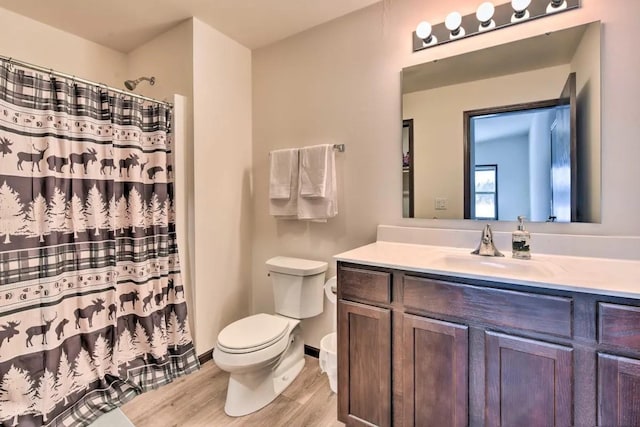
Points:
(251, 391)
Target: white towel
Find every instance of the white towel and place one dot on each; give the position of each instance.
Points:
(281, 168)
(316, 207)
(314, 170)
(286, 208)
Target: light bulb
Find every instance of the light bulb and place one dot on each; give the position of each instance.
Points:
(520, 12)
(520, 5)
(556, 6)
(423, 31)
(453, 22)
(485, 11)
(485, 14)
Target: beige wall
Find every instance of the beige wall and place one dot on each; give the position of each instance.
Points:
(222, 181)
(326, 85)
(175, 46)
(341, 81)
(40, 44)
(437, 130)
(169, 58)
(214, 73)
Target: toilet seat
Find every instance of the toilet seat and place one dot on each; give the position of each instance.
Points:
(253, 333)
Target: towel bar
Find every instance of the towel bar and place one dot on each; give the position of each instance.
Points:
(338, 147)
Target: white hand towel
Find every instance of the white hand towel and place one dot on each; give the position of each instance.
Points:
(320, 208)
(287, 208)
(280, 172)
(314, 170)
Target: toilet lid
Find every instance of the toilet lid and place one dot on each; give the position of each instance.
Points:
(252, 333)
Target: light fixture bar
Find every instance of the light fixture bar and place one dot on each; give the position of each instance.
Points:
(502, 18)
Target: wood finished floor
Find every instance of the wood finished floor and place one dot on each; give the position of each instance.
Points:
(197, 400)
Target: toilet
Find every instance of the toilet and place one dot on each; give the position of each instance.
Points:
(265, 352)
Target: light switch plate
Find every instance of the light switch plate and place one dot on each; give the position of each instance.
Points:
(441, 204)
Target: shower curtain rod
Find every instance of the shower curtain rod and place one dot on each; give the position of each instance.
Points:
(51, 71)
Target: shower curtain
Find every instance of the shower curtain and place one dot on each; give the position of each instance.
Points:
(92, 309)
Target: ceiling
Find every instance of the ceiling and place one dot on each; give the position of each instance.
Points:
(124, 25)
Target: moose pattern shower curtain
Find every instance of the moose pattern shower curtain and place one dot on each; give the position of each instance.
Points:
(92, 309)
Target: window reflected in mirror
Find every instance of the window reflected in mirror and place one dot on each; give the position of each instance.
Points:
(486, 192)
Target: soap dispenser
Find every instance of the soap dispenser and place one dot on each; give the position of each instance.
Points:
(520, 240)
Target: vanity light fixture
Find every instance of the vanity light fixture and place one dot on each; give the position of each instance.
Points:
(453, 22)
(520, 12)
(487, 17)
(556, 6)
(424, 33)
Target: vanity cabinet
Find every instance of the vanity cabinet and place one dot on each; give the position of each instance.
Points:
(419, 349)
(618, 390)
(528, 382)
(365, 331)
(435, 372)
(618, 376)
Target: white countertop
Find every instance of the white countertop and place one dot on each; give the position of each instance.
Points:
(579, 274)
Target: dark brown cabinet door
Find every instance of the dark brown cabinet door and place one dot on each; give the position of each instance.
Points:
(528, 382)
(618, 391)
(435, 372)
(364, 364)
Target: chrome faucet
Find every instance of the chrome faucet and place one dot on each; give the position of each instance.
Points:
(486, 246)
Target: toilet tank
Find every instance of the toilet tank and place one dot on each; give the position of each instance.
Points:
(298, 286)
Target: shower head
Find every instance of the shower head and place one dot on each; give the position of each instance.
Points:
(131, 84)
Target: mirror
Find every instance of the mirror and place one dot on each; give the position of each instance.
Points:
(493, 134)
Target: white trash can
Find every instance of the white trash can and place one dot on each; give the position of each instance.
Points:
(329, 359)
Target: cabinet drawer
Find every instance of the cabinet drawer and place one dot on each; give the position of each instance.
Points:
(364, 285)
(513, 309)
(619, 325)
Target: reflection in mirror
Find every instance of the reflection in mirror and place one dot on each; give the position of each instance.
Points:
(407, 169)
(505, 116)
(535, 146)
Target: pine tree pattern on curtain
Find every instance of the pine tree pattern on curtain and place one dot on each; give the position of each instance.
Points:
(92, 308)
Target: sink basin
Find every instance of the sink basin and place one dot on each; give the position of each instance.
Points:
(497, 266)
